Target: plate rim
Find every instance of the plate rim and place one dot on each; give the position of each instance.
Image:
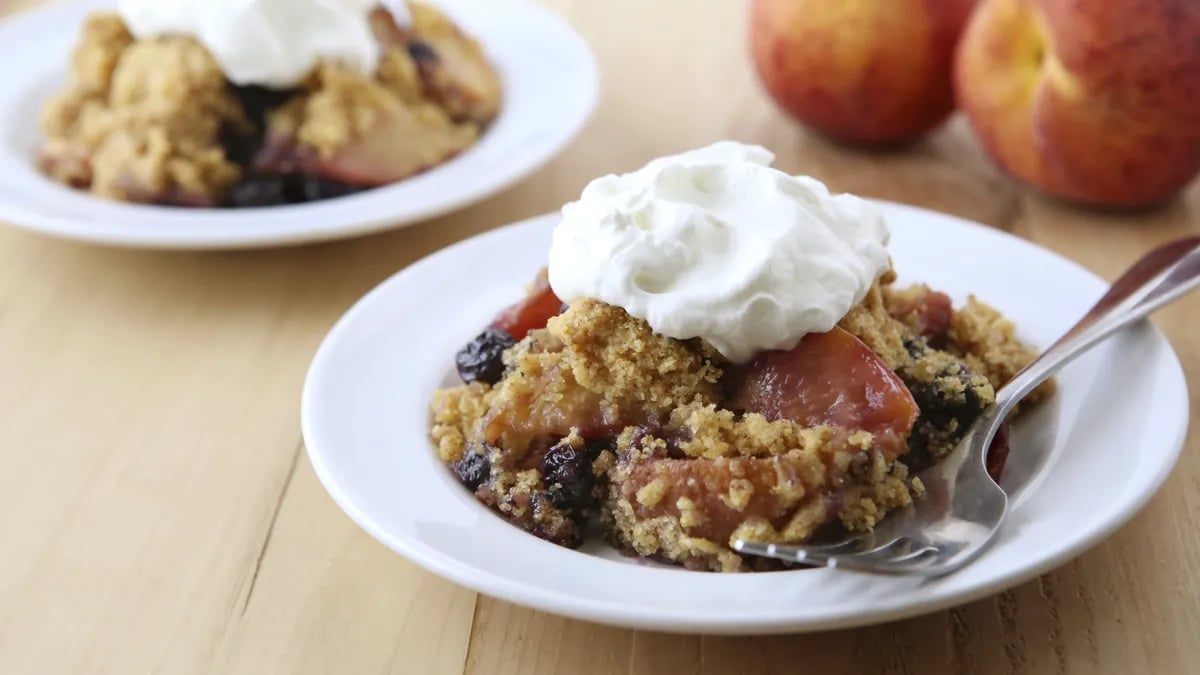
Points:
(352, 216)
(667, 620)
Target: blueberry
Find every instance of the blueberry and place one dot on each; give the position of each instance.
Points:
(562, 498)
(480, 360)
(258, 102)
(421, 52)
(474, 468)
(239, 146)
(567, 471)
(315, 189)
(940, 408)
(256, 190)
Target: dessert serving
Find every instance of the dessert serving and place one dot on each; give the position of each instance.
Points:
(263, 103)
(717, 350)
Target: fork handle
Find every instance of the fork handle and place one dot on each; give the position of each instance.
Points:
(1159, 277)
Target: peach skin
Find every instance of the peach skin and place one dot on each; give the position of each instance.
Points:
(865, 72)
(1094, 102)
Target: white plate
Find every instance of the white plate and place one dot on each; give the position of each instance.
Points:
(550, 88)
(1080, 466)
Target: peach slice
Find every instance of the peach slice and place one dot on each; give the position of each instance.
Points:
(531, 312)
(830, 378)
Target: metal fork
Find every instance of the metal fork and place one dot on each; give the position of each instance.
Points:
(963, 508)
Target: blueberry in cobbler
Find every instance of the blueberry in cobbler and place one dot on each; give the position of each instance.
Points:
(473, 467)
(482, 360)
(567, 471)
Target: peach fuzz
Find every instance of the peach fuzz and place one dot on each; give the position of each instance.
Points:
(865, 72)
(1094, 102)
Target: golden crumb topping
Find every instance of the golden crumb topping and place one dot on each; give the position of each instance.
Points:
(989, 345)
(612, 353)
(141, 119)
(870, 322)
(464, 85)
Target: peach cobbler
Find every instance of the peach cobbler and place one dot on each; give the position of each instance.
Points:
(255, 103)
(733, 360)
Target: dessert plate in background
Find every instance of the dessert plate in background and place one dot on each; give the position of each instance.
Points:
(1080, 466)
(550, 88)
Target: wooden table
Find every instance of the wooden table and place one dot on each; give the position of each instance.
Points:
(158, 514)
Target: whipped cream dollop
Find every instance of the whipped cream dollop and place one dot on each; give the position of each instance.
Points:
(271, 43)
(715, 243)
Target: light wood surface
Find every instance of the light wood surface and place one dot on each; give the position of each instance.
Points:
(158, 514)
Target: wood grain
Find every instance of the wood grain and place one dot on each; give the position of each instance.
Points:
(159, 515)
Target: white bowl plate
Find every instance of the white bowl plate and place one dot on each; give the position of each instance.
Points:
(550, 88)
(1080, 466)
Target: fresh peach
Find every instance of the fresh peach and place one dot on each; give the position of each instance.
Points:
(1096, 102)
(867, 72)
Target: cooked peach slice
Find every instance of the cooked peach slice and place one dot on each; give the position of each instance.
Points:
(829, 378)
(401, 144)
(927, 312)
(531, 312)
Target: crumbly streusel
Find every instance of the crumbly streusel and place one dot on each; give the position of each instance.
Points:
(141, 119)
(988, 344)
